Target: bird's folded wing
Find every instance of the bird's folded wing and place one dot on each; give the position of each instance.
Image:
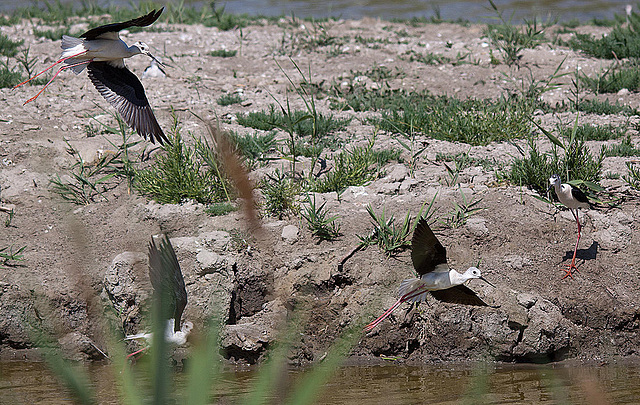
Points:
(459, 294)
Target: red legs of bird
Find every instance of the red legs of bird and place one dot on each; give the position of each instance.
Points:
(57, 62)
(85, 62)
(571, 267)
(129, 356)
(411, 294)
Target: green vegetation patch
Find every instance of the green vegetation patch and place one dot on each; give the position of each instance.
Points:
(274, 118)
(9, 47)
(472, 121)
(614, 79)
(622, 42)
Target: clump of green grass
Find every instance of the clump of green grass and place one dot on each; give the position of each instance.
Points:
(9, 47)
(614, 79)
(595, 106)
(229, 99)
(53, 34)
(356, 166)
(222, 53)
(8, 77)
(280, 194)
(321, 224)
(622, 42)
(511, 40)
(632, 178)
(589, 132)
(8, 255)
(391, 237)
(254, 147)
(275, 118)
(472, 121)
(624, 148)
(221, 208)
(183, 173)
(570, 158)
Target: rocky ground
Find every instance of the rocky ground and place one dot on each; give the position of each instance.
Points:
(82, 262)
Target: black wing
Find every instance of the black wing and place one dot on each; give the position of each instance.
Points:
(116, 27)
(426, 251)
(578, 195)
(459, 294)
(123, 90)
(166, 277)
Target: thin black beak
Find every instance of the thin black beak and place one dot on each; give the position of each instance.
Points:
(487, 281)
(157, 61)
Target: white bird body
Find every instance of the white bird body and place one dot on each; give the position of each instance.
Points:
(429, 260)
(102, 52)
(170, 335)
(573, 198)
(566, 195)
(439, 279)
(98, 50)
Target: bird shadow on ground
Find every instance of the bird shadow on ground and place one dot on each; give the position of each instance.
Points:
(590, 253)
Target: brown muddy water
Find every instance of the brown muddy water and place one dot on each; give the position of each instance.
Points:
(31, 383)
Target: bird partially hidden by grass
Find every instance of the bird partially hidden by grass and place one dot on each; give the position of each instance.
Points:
(572, 198)
(102, 52)
(168, 287)
(429, 259)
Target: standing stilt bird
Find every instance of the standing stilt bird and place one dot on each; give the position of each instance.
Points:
(429, 259)
(573, 199)
(102, 52)
(168, 287)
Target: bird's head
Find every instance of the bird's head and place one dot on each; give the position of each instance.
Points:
(186, 327)
(554, 180)
(474, 272)
(144, 49)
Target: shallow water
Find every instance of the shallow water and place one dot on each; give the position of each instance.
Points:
(28, 383)
(472, 10)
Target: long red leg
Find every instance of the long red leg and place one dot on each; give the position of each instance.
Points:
(136, 352)
(573, 266)
(388, 312)
(54, 76)
(57, 62)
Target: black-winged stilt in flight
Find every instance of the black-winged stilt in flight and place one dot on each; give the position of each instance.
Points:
(429, 259)
(102, 52)
(573, 199)
(166, 279)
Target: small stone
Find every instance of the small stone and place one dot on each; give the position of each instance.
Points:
(290, 234)
(527, 300)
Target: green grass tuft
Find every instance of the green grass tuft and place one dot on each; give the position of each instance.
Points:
(229, 99)
(624, 148)
(9, 47)
(182, 173)
(274, 118)
(222, 53)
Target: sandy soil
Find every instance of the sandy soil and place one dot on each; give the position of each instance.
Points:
(521, 241)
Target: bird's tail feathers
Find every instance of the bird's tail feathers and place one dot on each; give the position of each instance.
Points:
(409, 288)
(72, 46)
(137, 336)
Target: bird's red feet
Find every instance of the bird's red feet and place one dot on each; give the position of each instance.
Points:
(571, 268)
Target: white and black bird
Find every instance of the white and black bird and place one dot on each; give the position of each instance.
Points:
(574, 199)
(429, 259)
(102, 52)
(168, 286)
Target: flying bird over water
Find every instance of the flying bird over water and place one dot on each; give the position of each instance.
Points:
(429, 259)
(102, 52)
